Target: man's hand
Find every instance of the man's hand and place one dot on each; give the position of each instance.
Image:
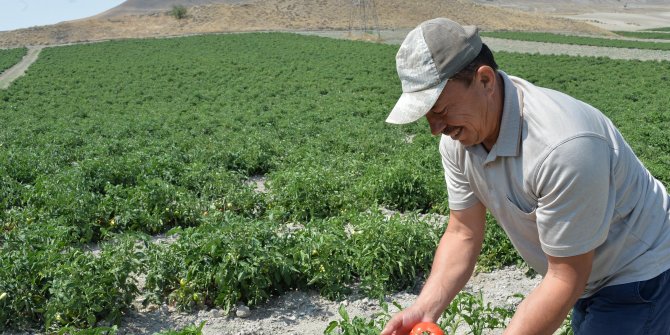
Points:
(402, 322)
(454, 262)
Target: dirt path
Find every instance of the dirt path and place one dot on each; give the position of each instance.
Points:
(499, 44)
(7, 77)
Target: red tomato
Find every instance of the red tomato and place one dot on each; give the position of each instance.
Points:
(430, 328)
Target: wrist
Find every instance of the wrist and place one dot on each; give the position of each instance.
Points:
(431, 305)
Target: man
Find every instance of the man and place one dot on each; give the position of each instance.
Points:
(567, 189)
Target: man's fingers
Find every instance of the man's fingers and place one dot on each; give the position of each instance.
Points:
(392, 325)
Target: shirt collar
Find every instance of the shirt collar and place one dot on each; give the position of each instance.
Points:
(509, 139)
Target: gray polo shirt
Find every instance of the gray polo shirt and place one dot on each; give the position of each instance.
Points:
(562, 181)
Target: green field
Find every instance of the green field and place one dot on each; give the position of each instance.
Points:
(645, 34)
(9, 57)
(107, 144)
(659, 29)
(577, 40)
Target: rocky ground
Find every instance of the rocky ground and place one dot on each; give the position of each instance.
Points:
(298, 313)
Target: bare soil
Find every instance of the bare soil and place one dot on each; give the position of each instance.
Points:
(610, 15)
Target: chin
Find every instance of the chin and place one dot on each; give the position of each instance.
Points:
(469, 143)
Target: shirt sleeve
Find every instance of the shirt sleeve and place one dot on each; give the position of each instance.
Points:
(461, 195)
(575, 202)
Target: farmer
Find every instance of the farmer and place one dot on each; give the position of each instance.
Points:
(575, 201)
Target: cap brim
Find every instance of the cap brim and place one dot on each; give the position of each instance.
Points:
(413, 105)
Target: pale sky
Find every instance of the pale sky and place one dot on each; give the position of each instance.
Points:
(16, 14)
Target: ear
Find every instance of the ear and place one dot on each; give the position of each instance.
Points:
(487, 76)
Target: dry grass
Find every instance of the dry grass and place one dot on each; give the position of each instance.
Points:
(287, 15)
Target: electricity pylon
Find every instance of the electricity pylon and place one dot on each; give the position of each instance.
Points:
(364, 18)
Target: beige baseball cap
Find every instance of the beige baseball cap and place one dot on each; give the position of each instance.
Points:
(431, 54)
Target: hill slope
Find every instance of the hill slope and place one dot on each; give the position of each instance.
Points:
(138, 7)
(284, 15)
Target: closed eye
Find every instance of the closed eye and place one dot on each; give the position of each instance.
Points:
(438, 111)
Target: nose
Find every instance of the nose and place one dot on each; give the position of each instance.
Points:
(435, 130)
(436, 125)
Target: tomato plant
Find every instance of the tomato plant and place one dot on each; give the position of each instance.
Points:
(426, 327)
(9, 57)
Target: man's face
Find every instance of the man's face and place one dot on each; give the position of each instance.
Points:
(461, 112)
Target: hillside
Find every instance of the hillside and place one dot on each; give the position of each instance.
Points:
(576, 6)
(235, 16)
(138, 7)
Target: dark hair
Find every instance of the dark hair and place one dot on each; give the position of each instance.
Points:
(485, 57)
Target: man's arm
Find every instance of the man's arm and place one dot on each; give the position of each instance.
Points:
(543, 311)
(452, 267)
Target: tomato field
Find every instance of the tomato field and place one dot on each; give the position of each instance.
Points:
(105, 145)
(9, 57)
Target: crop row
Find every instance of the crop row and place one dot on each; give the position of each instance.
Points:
(577, 40)
(144, 144)
(9, 57)
(659, 29)
(226, 260)
(659, 35)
